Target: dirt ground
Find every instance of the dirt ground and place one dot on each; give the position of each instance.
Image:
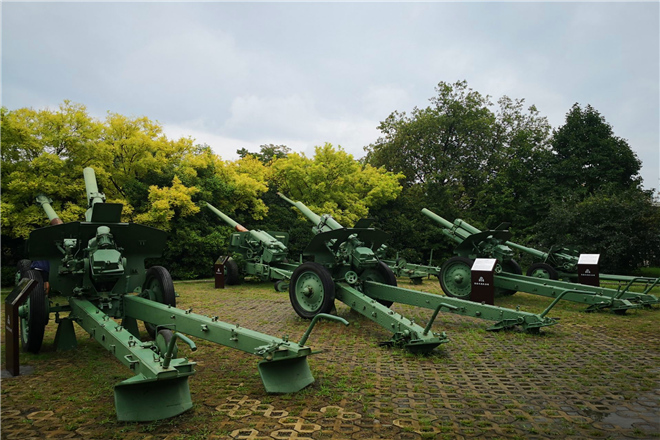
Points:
(592, 376)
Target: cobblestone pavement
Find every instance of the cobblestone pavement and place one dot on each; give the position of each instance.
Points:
(585, 378)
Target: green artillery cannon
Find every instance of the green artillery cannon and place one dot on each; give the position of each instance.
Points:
(97, 266)
(562, 263)
(264, 254)
(416, 272)
(473, 243)
(346, 265)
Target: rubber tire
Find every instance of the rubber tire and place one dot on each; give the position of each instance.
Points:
(382, 273)
(544, 268)
(21, 267)
(447, 266)
(316, 274)
(164, 295)
(33, 327)
(277, 285)
(513, 267)
(232, 274)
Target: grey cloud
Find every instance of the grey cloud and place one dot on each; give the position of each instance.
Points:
(307, 73)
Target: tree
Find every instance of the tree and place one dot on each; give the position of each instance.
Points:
(622, 226)
(587, 155)
(333, 182)
(445, 143)
(161, 182)
(463, 157)
(269, 152)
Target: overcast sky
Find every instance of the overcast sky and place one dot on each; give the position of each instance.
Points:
(235, 75)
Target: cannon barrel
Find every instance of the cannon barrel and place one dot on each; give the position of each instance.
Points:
(559, 257)
(315, 218)
(466, 226)
(457, 230)
(45, 203)
(92, 189)
(323, 223)
(531, 251)
(262, 236)
(234, 224)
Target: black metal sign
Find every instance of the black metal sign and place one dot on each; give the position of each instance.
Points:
(219, 270)
(483, 286)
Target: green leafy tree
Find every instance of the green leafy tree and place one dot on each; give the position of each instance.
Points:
(444, 144)
(587, 155)
(333, 182)
(463, 157)
(268, 153)
(160, 182)
(622, 226)
(595, 202)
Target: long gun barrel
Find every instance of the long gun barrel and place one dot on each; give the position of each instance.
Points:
(531, 251)
(262, 236)
(459, 230)
(323, 223)
(227, 219)
(566, 260)
(45, 203)
(93, 194)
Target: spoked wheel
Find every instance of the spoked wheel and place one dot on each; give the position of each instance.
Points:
(232, 274)
(158, 287)
(311, 290)
(456, 277)
(510, 266)
(34, 315)
(380, 274)
(542, 270)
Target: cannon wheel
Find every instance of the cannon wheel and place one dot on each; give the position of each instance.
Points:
(456, 277)
(542, 270)
(232, 274)
(380, 274)
(311, 290)
(158, 286)
(510, 266)
(35, 318)
(21, 267)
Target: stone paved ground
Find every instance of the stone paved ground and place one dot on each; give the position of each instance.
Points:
(591, 376)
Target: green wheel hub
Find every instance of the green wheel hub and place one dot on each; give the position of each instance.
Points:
(540, 273)
(309, 291)
(456, 277)
(543, 271)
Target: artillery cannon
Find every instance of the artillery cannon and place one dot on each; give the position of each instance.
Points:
(416, 272)
(346, 267)
(473, 243)
(97, 266)
(562, 263)
(264, 254)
